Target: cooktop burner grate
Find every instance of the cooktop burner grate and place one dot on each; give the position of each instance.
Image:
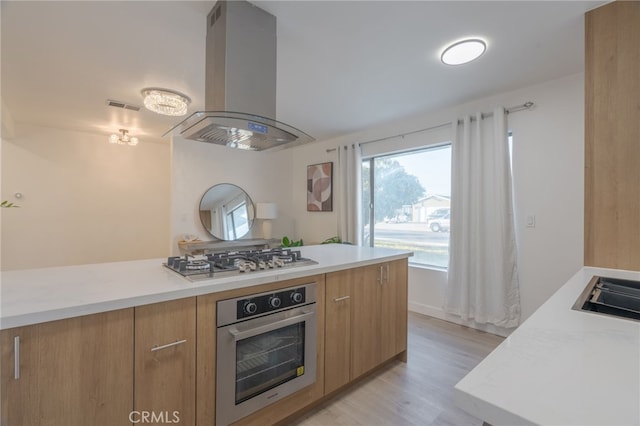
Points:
(235, 262)
(611, 296)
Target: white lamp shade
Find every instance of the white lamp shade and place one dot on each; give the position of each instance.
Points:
(266, 210)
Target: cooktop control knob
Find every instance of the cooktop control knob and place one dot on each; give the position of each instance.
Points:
(275, 302)
(250, 308)
(296, 297)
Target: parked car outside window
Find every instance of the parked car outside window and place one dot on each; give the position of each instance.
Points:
(438, 213)
(440, 224)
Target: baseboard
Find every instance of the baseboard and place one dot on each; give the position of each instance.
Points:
(428, 310)
(437, 312)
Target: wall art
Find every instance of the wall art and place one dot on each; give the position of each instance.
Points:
(320, 187)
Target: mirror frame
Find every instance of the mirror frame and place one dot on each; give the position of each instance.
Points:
(251, 216)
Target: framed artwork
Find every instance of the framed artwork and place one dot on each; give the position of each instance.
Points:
(320, 187)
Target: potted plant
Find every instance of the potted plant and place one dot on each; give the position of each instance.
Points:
(286, 242)
(6, 204)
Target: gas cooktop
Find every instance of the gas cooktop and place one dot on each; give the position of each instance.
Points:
(611, 296)
(232, 263)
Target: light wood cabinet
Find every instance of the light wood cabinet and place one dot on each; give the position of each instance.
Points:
(165, 360)
(612, 132)
(398, 304)
(75, 371)
(372, 327)
(367, 338)
(337, 331)
(379, 315)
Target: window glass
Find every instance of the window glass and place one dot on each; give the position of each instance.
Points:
(406, 199)
(239, 219)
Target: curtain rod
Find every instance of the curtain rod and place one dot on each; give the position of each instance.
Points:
(525, 106)
(510, 110)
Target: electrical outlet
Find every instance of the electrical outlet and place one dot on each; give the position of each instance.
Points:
(531, 221)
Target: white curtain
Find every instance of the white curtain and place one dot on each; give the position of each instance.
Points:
(350, 183)
(482, 276)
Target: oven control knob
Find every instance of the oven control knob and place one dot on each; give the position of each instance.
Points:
(296, 297)
(250, 308)
(274, 301)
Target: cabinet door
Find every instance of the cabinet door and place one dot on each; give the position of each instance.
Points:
(165, 360)
(337, 330)
(394, 307)
(365, 319)
(612, 175)
(70, 372)
(388, 301)
(379, 314)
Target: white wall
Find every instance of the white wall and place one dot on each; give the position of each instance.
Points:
(88, 201)
(548, 162)
(196, 166)
(84, 200)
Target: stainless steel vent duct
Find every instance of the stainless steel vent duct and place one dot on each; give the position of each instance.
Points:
(240, 83)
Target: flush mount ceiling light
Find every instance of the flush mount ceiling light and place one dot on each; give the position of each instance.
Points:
(165, 102)
(123, 138)
(463, 51)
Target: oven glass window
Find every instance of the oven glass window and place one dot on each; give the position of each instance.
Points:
(268, 360)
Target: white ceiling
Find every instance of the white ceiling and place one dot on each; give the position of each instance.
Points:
(343, 66)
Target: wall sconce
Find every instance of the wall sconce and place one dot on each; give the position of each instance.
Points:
(165, 102)
(123, 138)
(266, 212)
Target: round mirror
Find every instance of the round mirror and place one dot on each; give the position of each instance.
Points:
(226, 212)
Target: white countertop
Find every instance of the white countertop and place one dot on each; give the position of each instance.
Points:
(561, 367)
(32, 296)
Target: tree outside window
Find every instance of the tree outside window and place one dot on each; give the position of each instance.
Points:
(410, 204)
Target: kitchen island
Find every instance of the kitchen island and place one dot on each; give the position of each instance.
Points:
(561, 366)
(116, 343)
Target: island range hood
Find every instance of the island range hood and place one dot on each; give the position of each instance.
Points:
(240, 83)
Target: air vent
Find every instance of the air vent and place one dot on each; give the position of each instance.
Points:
(118, 104)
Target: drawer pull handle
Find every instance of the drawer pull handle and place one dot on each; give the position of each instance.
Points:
(341, 298)
(168, 345)
(16, 358)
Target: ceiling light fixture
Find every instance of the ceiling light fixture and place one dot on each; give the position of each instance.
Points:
(123, 138)
(165, 102)
(463, 51)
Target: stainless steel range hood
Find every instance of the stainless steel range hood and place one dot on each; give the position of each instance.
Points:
(240, 83)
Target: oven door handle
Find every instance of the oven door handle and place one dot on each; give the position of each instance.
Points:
(239, 335)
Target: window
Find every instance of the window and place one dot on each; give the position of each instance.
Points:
(406, 199)
(237, 222)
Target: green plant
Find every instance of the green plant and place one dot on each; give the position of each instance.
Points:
(286, 242)
(5, 204)
(332, 240)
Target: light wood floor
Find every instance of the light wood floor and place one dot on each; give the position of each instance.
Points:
(419, 392)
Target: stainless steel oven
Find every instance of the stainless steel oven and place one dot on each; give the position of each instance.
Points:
(266, 349)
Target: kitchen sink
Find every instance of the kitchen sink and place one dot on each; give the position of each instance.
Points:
(611, 296)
